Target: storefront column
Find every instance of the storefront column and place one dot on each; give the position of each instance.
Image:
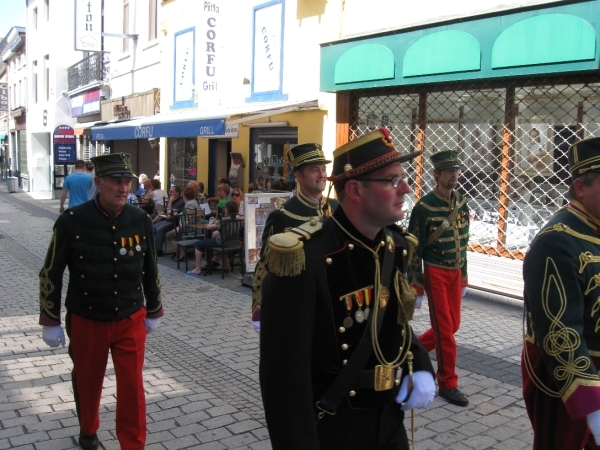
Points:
(420, 145)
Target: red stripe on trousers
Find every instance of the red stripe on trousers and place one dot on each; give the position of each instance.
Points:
(443, 287)
(553, 428)
(90, 342)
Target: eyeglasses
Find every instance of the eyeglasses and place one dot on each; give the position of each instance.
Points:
(395, 181)
(235, 195)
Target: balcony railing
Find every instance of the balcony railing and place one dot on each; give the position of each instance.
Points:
(89, 70)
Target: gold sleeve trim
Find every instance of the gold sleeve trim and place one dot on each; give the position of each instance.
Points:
(46, 285)
(577, 383)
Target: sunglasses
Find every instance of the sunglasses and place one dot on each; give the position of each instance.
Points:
(235, 195)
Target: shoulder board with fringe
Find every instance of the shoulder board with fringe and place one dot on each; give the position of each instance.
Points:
(286, 250)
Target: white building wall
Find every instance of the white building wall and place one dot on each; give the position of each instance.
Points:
(52, 35)
(135, 69)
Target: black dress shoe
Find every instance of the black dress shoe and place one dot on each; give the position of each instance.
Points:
(454, 396)
(89, 442)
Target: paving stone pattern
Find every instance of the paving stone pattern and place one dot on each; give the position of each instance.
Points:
(201, 369)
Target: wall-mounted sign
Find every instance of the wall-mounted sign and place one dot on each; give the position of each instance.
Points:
(232, 131)
(64, 145)
(3, 97)
(88, 25)
(209, 29)
(86, 103)
(184, 76)
(268, 48)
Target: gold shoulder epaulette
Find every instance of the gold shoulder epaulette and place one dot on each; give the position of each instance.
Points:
(411, 241)
(286, 250)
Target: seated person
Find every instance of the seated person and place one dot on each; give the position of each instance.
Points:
(237, 195)
(161, 225)
(222, 197)
(157, 195)
(190, 204)
(230, 211)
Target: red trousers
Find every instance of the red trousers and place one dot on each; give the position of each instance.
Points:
(90, 342)
(553, 428)
(443, 287)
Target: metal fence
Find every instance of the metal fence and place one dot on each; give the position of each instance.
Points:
(513, 137)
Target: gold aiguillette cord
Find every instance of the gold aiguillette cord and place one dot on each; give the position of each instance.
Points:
(409, 359)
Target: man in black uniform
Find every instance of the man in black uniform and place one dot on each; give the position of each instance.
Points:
(108, 246)
(309, 165)
(335, 315)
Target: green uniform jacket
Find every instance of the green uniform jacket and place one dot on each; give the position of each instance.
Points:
(109, 271)
(449, 251)
(562, 299)
(305, 343)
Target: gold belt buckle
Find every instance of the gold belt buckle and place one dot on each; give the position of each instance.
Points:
(384, 378)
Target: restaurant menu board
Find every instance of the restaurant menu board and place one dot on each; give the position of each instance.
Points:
(256, 209)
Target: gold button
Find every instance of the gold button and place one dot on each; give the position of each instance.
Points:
(404, 252)
(143, 273)
(114, 228)
(313, 223)
(114, 243)
(344, 346)
(328, 260)
(341, 329)
(115, 275)
(89, 307)
(115, 293)
(85, 293)
(115, 259)
(344, 362)
(351, 246)
(116, 309)
(139, 288)
(397, 381)
(143, 254)
(70, 213)
(352, 393)
(144, 237)
(403, 229)
(382, 243)
(82, 276)
(76, 237)
(80, 257)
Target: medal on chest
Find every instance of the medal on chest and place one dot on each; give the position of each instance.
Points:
(123, 250)
(138, 247)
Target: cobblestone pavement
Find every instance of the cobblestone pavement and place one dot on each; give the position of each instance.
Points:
(201, 367)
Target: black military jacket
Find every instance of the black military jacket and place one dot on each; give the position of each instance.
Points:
(112, 265)
(304, 343)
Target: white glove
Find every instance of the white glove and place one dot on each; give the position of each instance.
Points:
(419, 302)
(151, 324)
(256, 326)
(593, 421)
(422, 394)
(463, 292)
(53, 335)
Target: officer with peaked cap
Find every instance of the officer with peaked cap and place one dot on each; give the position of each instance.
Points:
(561, 353)
(309, 165)
(108, 246)
(335, 324)
(440, 221)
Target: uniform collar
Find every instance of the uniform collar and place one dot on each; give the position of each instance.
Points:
(311, 203)
(104, 212)
(343, 221)
(580, 209)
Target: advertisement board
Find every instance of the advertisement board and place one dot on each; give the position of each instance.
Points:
(257, 207)
(64, 144)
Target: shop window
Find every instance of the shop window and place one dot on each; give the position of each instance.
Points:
(270, 169)
(183, 160)
(513, 139)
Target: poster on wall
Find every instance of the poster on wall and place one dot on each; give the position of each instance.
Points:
(257, 207)
(64, 144)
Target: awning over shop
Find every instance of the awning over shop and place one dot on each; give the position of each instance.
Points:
(161, 125)
(84, 128)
